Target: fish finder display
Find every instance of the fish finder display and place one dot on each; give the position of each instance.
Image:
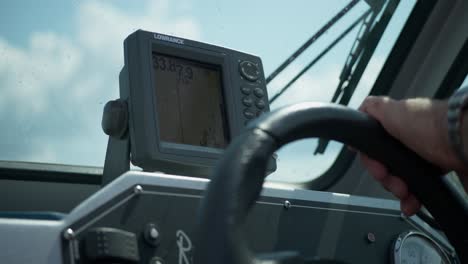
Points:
(189, 102)
(186, 101)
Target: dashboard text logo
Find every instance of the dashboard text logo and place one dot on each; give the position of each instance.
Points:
(184, 243)
(170, 39)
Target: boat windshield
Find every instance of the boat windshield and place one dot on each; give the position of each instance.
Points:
(60, 60)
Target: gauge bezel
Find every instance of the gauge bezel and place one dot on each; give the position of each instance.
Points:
(400, 241)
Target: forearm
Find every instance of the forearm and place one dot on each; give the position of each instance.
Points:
(464, 136)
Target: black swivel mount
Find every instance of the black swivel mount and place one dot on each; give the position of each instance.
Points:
(115, 125)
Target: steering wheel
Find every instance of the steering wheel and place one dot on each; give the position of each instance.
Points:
(239, 176)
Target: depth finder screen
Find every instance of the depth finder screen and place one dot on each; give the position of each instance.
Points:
(189, 102)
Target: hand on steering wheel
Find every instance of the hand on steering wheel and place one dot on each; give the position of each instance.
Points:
(421, 125)
(239, 176)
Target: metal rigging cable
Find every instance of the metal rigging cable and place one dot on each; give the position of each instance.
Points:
(352, 72)
(316, 59)
(312, 40)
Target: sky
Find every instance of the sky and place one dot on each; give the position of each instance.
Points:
(59, 65)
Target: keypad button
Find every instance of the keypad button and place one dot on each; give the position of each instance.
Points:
(259, 92)
(260, 104)
(249, 113)
(247, 101)
(246, 90)
(259, 113)
(249, 71)
(156, 260)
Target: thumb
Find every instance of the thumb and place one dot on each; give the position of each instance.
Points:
(376, 106)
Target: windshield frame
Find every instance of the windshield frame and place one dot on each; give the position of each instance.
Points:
(398, 55)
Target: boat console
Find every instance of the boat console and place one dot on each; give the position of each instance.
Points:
(195, 118)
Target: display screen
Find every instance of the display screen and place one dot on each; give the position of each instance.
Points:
(189, 102)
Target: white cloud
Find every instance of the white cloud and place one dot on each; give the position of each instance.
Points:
(319, 84)
(44, 154)
(102, 27)
(316, 86)
(367, 81)
(295, 160)
(57, 84)
(60, 83)
(297, 163)
(50, 62)
(27, 76)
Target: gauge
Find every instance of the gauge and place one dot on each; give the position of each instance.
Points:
(414, 247)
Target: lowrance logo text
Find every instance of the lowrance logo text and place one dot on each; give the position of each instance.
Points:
(170, 39)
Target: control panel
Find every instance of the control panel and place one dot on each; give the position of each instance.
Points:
(253, 90)
(152, 218)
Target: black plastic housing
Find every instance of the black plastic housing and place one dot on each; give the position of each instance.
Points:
(151, 153)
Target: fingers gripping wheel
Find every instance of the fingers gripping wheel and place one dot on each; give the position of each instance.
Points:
(240, 174)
